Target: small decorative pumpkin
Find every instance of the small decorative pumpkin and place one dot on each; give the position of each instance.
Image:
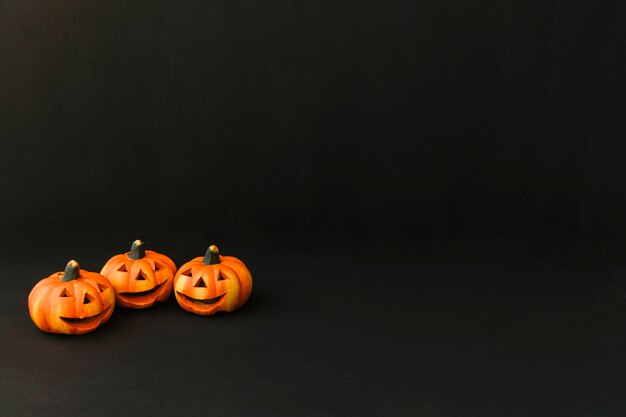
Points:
(140, 277)
(214, 283)
(72, 302)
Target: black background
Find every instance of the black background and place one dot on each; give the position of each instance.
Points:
(430, 196)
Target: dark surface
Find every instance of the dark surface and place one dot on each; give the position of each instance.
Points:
(430, 196)
(441, 328)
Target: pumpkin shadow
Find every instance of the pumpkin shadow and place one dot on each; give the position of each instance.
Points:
(259, 303)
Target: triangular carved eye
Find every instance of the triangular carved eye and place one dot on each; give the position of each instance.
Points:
(200, 283)
(221, 277)
(187, 272)
(87, 299)
(65, 293)
(102, 287)
(122, 268)
(156, 267)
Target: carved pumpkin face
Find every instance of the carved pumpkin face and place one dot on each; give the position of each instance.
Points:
(140, 277)
(71, 302)
(214, 283)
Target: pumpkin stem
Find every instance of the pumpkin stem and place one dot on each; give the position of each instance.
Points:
(72, 271)
(137, 251)
(212, 256)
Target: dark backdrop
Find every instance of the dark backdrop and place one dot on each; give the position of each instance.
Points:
(351, 117)
(471, 152)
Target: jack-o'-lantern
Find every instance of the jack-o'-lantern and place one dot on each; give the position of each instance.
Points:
(206, 285)
(140, 277)
(72, 302)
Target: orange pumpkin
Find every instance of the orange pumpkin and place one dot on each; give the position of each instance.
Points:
(72, 302)
(140, 277)
(214, 283)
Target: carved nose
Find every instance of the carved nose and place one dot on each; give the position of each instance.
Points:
(141, 276)
(200, 283)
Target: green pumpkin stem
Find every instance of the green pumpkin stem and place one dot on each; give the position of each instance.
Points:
(72, 271)
(137, 251)
(212, 256)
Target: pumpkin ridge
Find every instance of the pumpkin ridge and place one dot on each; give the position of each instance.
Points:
(39, 298)
(113, 263)
(244, 277)
(164, 259)
(232, 259)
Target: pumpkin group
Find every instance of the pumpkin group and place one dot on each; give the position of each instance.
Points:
(72, 302)
(206, 285)
(140, 277)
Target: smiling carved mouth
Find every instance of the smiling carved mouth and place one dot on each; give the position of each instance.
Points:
(74, 320)
(142, 293)
(204, 302)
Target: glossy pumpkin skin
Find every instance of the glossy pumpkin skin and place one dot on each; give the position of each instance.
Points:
(205, 289)
(139, 283)
(77, 306)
